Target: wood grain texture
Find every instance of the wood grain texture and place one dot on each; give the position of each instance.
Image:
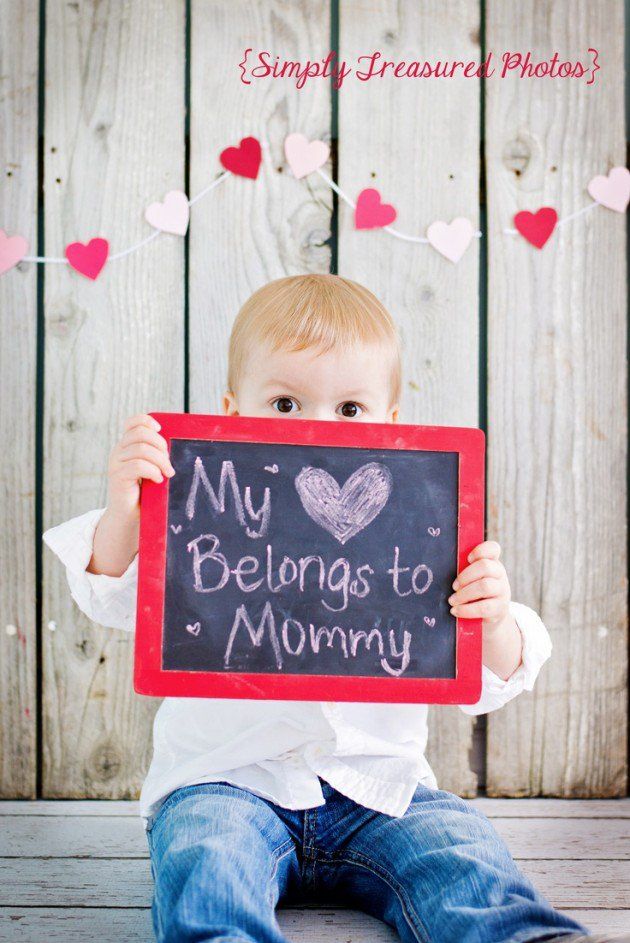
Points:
(110, 882)
(114, 142)
(309, 926)
(123, 837)
(249, 232)
(63, 873)
(417, 142)
(19, 38)
(493, 808)
(557, 400)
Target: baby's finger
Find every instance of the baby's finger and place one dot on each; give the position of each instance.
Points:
(150, 454)
(482, 609)
(489, 548)
(484, 588)
(137, 468)
(477, 570)
(144, 434)
(142, 419)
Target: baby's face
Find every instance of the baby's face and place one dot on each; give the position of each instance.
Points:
(351, 385)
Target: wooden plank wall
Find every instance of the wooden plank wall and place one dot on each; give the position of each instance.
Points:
(557, 413)
(113, 139)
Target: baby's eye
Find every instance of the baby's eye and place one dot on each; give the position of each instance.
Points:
(349, 410)
(285, 404)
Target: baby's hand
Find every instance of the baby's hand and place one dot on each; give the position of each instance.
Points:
(482, 588)
(140, 453)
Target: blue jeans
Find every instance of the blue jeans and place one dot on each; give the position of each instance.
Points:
(222, 858)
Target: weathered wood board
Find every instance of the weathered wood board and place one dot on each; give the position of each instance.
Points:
(108, 875)
(248, 232)
(113, 142)
(19, 52)
(420, 149)
(557, 401)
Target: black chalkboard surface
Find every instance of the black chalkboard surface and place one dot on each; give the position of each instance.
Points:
(320, 554)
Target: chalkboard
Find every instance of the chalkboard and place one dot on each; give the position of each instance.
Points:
(299, 559)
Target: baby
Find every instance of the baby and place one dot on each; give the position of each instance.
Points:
(250, 802)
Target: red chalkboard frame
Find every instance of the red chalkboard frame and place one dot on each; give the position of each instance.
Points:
(149, 676)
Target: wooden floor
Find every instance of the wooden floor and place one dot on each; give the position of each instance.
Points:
(78, 871)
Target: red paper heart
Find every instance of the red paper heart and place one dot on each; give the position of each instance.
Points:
(536, 227)
(370, 213)
(88, 259)
(243, 160)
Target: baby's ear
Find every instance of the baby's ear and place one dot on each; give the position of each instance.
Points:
(229, 404)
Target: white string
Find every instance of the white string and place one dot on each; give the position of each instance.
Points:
(389, 229)
(331, 183)
(561, 222)
(215, 183)
(143, 242)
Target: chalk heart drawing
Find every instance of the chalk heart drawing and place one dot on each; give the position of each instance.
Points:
(194, 629)
(273, 469)
(343, 512)
(176, 528)
(434, 531)
(429, 622)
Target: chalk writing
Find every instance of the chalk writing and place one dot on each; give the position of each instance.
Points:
(256, 573)
(217, 502)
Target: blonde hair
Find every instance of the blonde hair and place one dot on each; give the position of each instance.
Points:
(320, 311)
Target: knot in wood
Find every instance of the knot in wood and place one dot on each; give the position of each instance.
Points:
(517, 155)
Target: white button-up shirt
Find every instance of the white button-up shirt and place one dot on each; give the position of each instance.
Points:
(371, 752)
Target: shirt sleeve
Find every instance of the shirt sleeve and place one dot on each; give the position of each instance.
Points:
(108, 600)
(495, 692)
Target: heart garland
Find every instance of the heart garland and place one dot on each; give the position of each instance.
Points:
(305, 157)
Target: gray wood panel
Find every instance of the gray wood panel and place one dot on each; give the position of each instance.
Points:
(248, 232)
(114, 142)
(493, 808)
(417, 142)
(19, 49)
(306, 926)
(557, 409)
(106, 882)
(123, 837)
(78, 898)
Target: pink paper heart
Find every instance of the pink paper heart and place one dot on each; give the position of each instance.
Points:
(612, 191)
(88, 259)
(536, 227)
(172, 215)
(370, 213)
(243, 160)
(451, 239)
(304, 156)
(12, 250)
